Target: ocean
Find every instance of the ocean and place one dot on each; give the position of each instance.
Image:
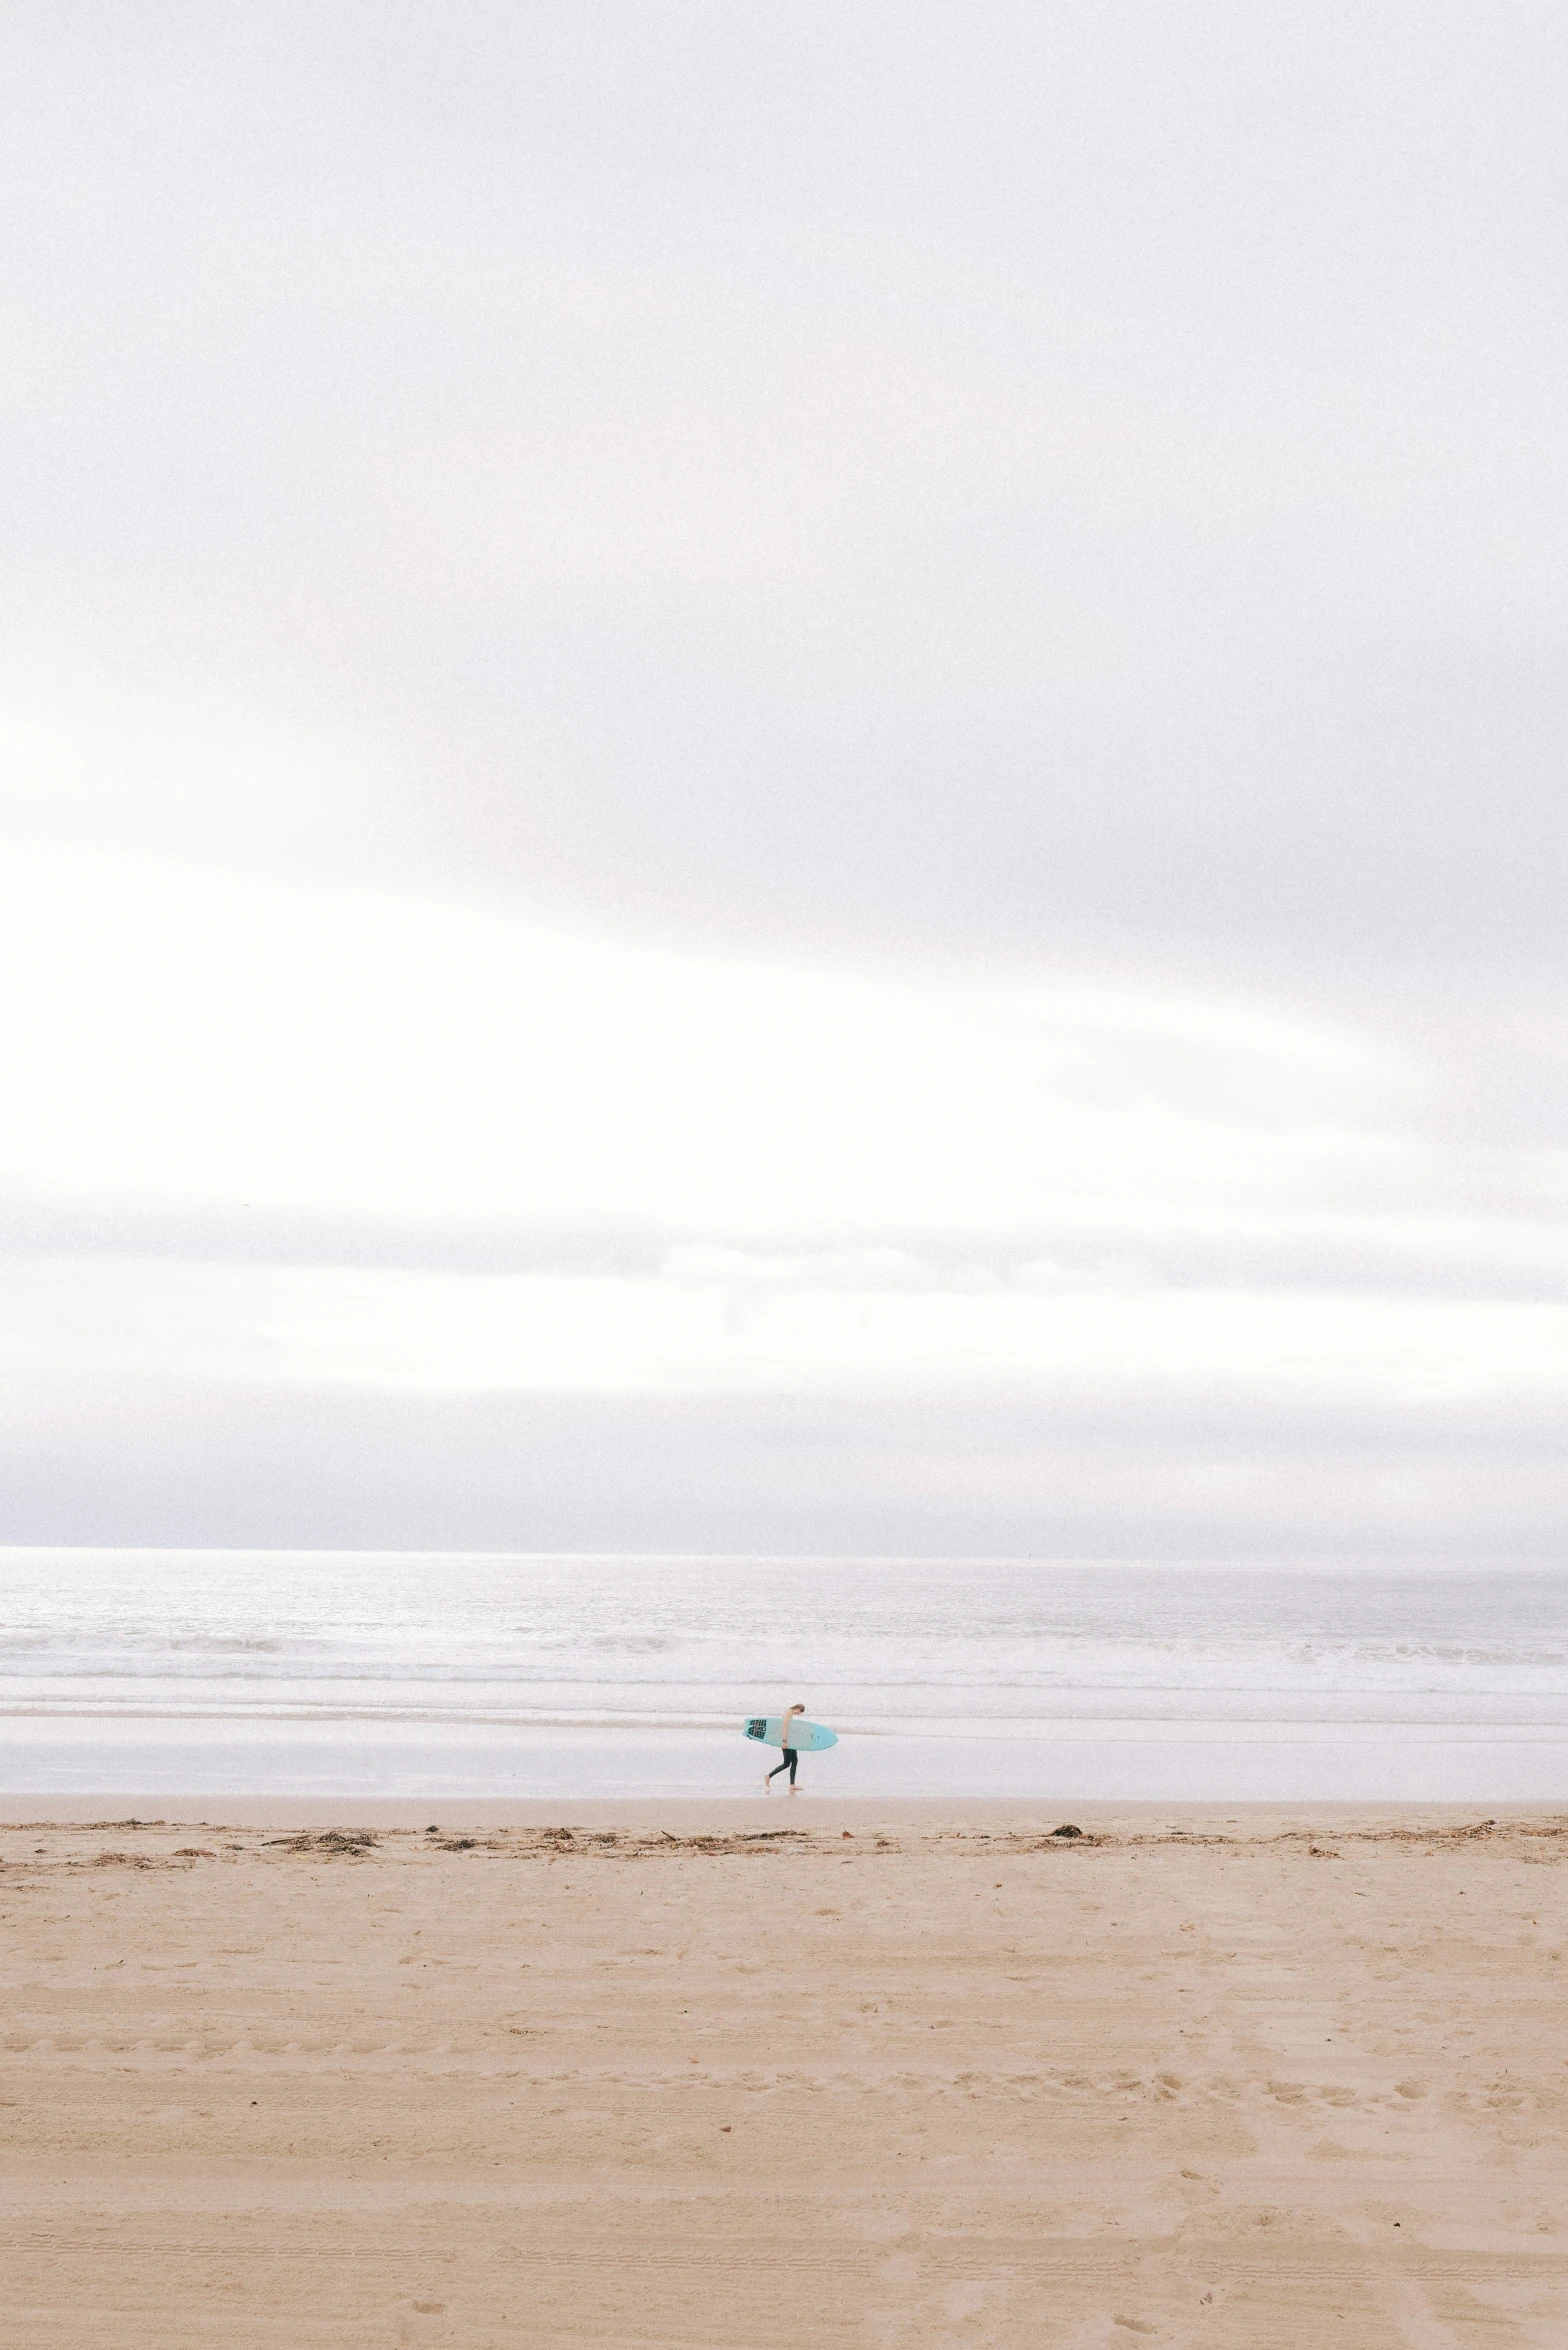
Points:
(418, 1674)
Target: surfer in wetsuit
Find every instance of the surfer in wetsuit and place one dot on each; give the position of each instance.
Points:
(790, 1758)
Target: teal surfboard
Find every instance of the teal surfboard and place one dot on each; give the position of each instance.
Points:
(805, 1737)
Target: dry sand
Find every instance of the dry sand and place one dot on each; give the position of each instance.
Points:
(943, 2080)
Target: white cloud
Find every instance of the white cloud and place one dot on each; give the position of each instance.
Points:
(1078, 500)
(872, 1187)
(715, 1331)
(201, 1038)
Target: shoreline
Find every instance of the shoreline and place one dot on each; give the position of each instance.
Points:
(697, 1814)
(118, 1767)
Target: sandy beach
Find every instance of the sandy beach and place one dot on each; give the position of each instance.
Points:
(756, 2075)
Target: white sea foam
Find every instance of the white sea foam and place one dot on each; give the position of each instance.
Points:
(398, 1672)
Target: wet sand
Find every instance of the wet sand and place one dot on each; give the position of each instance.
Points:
(747, 2074)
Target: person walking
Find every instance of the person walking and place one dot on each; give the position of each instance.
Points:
(787, 1742)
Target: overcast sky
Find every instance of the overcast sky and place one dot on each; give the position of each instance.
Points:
(785, 776)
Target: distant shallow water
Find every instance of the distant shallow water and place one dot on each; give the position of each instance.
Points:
(404, 1674)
